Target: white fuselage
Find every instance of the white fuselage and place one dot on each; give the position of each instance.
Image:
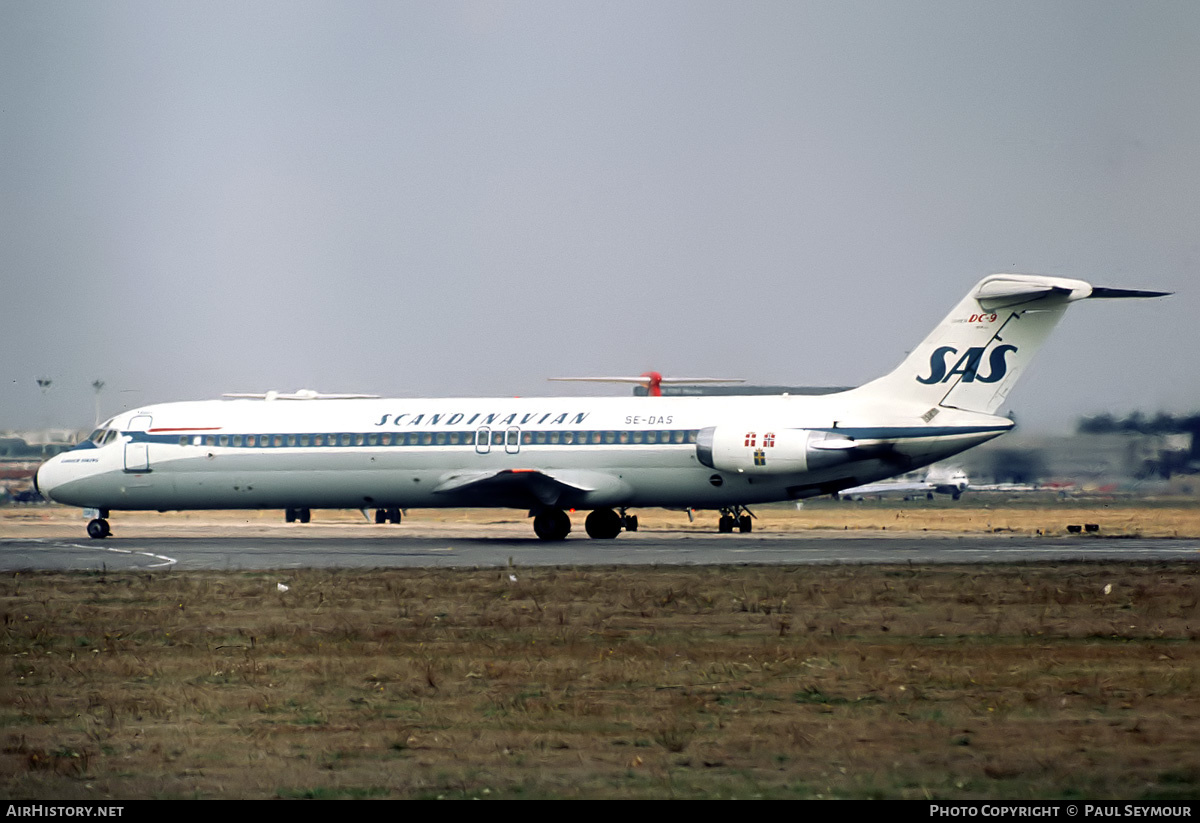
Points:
(414, 453)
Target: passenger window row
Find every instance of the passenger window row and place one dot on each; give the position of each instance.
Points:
(451, 438)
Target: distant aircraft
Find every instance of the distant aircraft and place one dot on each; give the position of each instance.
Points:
(941, 481)
(936, 481)
(554, 454)
(652, 381)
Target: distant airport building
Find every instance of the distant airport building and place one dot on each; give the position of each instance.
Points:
(20, 455)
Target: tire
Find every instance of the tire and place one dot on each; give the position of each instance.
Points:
(603, 524)
(552, 525)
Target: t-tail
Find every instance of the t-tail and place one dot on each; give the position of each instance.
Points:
(974, 357)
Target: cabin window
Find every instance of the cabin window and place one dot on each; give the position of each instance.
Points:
(236, 440)
(372, 440)
(183, 441)
(440, 438)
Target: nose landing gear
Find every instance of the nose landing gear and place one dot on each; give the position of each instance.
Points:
(98, 528)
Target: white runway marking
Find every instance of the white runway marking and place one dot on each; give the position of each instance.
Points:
(162, 560)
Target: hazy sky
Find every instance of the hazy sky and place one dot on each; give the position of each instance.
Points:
(465, 198)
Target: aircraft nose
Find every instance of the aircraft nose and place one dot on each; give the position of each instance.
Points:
(43, 479)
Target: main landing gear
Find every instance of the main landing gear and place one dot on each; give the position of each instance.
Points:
(735, 516)
(297, 515)
(391, 515)
(602, 524)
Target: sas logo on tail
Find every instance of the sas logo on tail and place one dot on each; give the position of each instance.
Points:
(967, 365)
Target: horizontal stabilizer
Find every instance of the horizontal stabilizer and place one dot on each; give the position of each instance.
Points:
(1098, 291)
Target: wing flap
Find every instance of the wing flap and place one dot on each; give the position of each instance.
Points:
(549, 488)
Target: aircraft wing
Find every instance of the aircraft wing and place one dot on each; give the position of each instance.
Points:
(529, 487)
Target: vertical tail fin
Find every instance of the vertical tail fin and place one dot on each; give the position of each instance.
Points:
(974, 357)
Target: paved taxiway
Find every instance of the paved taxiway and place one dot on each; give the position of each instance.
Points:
(642, 548)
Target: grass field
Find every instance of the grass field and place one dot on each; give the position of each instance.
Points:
(981, 514)
(1033, 681)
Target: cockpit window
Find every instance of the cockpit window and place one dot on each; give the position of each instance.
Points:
(102, 435)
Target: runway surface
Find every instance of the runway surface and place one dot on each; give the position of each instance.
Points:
(454, 549)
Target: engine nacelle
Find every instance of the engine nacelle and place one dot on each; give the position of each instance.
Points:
(773, 450)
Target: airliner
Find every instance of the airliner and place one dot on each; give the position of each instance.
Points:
(552, 455)
(940, 480)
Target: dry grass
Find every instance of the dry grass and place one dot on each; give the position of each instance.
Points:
(980, 514)
(949, 682)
